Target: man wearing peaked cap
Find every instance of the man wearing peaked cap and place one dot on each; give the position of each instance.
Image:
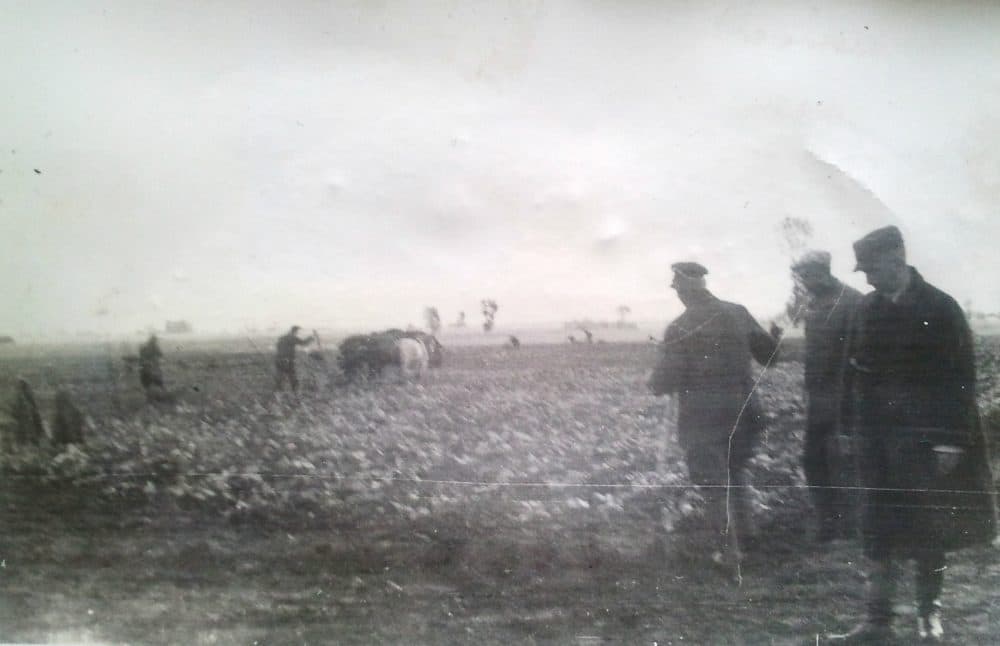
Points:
(878, 243)
(813, 259)
(922, 453)
(689, 271)
(827, 308)
(705, 365)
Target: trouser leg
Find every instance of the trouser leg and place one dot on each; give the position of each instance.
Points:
(930, 579)
(285, 370)
(881, 588)
(739, 514)
(817, 468)
(707, 467)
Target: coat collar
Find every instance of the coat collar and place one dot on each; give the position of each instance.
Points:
(910, 295)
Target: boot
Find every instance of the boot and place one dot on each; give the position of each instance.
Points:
(875, 629)
(867, 632)
(929, 627)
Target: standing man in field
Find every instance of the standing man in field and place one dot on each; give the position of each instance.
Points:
(284, 362)
(706, 364)
(150, 373)
(829, 317)
(923, 456)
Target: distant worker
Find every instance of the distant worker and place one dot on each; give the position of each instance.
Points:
(67, 420)
(27, 422)
(829, 316)
(150, 373)
(284, 362)
(706, 365)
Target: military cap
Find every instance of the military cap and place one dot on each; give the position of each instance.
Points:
(689, 274)
(876, 243)
(689, 269)
(812, 258)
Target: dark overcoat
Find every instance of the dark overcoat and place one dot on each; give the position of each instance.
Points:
(915, 381)
(829, 320)
(706, 359)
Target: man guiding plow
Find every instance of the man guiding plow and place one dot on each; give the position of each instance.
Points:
(284, 360)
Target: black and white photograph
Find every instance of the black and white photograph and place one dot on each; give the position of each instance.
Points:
(569, 322)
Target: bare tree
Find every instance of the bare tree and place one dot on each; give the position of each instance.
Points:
(796, 233)
(489, 309)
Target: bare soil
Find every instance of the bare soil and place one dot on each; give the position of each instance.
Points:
(76, 567)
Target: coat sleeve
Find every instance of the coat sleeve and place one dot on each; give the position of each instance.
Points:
(960, 364)
(668, 375)
(846, 322)
(763, 346)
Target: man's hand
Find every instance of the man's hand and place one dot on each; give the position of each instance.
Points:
(946, 458)
(776, 331)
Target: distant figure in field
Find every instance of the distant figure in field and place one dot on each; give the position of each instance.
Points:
(150, 373)
(829, 317)
(284, 361)
(515, 343)
(706, 366)
(27, 423)
(571, 338)
(67, 421)
(588, 334)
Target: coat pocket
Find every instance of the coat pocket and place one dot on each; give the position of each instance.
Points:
(910, 462)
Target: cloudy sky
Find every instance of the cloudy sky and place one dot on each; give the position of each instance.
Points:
(344, 164)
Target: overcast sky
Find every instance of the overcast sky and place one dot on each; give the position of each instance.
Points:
(344, 164)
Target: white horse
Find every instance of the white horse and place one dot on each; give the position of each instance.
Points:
(413, 357)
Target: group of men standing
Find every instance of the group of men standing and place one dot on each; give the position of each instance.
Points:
(891, 371)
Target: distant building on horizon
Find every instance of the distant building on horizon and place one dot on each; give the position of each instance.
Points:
(178, 327)
(587, 324)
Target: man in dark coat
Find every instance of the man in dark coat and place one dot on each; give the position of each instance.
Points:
(284, 360)
(829, 317)
(923, 456)
(27, 426)
(150, 373)
(706, 364)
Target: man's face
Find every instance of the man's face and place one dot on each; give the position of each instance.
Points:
(812, 278)
(684, 293)
(882, 272)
